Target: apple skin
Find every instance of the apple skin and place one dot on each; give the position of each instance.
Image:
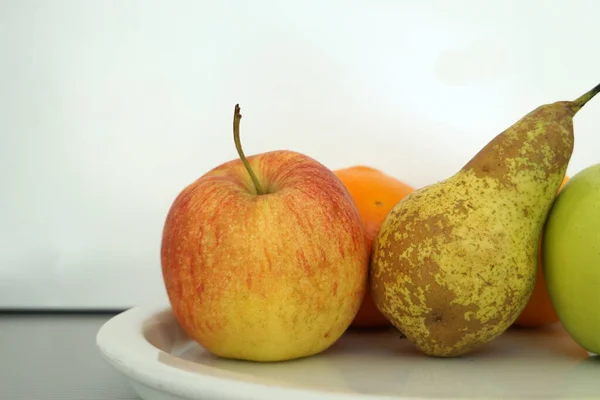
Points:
(571, 253)
(267, 277)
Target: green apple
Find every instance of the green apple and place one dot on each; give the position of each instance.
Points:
(571, 253)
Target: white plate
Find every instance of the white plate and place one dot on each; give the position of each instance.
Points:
(147, 346)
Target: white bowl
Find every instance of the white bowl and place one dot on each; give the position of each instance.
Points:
(162, 363)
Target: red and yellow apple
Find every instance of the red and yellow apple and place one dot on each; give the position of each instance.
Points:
(263, 258)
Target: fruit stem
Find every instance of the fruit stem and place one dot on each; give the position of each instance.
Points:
(238, 145)
(580, 102)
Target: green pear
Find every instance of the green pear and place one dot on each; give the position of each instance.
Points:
(571, 252)
(454, 263)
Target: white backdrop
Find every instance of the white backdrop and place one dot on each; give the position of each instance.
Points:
(109, 108)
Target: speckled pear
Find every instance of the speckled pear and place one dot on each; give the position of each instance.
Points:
(454, 263)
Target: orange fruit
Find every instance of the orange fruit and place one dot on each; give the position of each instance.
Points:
(375, 194)
(539, 310)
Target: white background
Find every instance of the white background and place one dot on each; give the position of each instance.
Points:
(109, 108)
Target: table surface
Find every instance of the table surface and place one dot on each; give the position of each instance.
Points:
(54, 357)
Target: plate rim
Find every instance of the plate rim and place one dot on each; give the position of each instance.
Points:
(122, 345)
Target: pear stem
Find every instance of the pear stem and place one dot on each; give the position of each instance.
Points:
(580, 102)
(238, 145)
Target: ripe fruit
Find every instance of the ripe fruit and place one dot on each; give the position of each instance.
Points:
(264, 258)
(571, 253)
(374, 193)
(539, 310)
(454, 263)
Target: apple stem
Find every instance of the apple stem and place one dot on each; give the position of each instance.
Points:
(238, 145)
